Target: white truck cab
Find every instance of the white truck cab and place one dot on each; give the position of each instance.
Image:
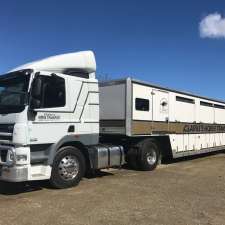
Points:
(43, 106)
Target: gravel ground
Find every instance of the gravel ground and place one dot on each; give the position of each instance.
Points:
(180, 192)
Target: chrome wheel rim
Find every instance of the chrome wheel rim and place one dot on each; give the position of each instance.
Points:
(151, 157)
(68, 167)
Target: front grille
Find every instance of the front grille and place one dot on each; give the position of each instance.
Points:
(6, 138)
(6, 133)
(6, 128)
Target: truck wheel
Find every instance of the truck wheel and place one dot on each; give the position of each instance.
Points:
(132, 159)
(149, 155)
(68, 167)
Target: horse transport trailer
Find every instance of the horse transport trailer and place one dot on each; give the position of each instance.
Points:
(182, 123)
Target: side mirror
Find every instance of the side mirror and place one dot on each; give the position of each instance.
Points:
(37, 87)
(36, 93)
(35, 103)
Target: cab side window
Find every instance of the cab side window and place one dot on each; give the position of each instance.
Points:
(53, 92)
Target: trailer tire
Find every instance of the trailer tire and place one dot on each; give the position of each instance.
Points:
(68, 167)
(149, 155)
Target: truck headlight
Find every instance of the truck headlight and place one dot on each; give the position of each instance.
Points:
(11, 156)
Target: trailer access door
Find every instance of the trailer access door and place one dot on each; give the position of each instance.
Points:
(160, 101)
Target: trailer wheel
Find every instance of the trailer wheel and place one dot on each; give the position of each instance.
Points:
(68, 167)
(149, 155)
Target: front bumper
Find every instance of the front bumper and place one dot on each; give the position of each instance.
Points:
(10, 168)
(15, 165)
(14, 174)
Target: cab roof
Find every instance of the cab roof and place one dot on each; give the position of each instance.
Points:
(76, 61)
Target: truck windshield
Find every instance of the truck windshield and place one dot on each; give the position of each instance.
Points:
(13, 91)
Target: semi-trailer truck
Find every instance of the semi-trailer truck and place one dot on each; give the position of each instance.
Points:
(57, 122)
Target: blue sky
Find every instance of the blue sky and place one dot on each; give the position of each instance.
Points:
(152, 40)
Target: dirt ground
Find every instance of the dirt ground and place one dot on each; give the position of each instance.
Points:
(184, 192)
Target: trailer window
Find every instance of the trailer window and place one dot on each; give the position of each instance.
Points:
(142, 104)
(219, 106)
(206, 104)
(186, 100)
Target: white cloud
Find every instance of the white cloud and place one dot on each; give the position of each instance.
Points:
(212, 26)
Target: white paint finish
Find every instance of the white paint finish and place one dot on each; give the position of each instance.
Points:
(94, 127)
(112, 102)
(206, 114)
(204, 141)
(93, 98)
(179, 142)
(84, 60)
(220, 139)
(42, 133)
(39, 172)
(94, 113)
(191, 141)
(223, 138)
(184, 112)
(176, 141)
(185, 142)
(217, 139)
(198, 141)
(83, 95)
(20, 129)
(172, 138)
(20, 133)
(208, 140)
(212, 140)
(219, 115)
(74, 88)
(145, 92)
(93, 85)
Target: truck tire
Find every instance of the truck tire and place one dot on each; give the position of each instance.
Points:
(68, 167)
(132, 157)
(149, 155)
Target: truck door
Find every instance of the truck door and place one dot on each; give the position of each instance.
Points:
(160, 101)
(48, 121)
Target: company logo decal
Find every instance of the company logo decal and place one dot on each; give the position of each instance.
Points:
(204, 128)
(48, 116)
